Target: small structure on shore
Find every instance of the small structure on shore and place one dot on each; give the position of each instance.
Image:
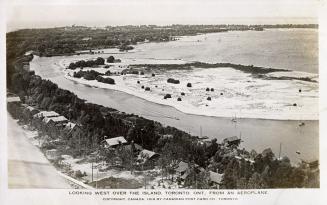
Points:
(72, 130)
(46, 114)
(114, 142)
(167, 136)
(189, 85)
(182, 169)
(215, 179)
(147, 89)
(13, 99)
(179, 99)
(52, 154)
(207, 89)
(147, 159)
(209, 98)
(182, 93)
(230, 141)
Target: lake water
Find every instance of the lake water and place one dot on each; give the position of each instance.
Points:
(256, 134)
(294, 49)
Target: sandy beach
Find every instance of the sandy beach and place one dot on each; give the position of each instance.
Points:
(234, 93)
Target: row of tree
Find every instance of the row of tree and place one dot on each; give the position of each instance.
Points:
(89, 63)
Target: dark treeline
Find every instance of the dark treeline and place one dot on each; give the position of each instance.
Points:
(89, 63)
(187, 66)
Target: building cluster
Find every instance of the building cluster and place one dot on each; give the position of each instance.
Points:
(50, 122)
(144, 159)
(58, 127)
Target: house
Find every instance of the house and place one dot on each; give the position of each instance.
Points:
(38, 117)
(54, 125)
(232, 141)
(215, 179)
(13, 105)
(30, 109)
(114, 142)
(147, 159)
(43, 114)
(52, 154)
(57, 120)
(13, 99)
(182, 170)
(167, 136)
(145, 155)
(72, 130)
(28, 112)
(206, 142)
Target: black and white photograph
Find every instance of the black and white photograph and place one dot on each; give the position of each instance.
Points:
(162, 95)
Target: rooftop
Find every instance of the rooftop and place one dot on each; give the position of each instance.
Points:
(116, 141)
(215, 177)
(46, 114)
(13, 99)
(182, 167)
(231, 139)
(146, 154)
(70, 125)
(55, 119)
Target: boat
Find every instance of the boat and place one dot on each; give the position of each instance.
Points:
(234, 119)
(301, 124)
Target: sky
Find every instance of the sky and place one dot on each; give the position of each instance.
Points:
(47, 13)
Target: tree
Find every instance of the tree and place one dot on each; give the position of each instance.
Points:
(99, 61)
(110, 59)
(231, 174)
(256, 182)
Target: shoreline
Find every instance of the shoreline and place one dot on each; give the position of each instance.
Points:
(185, 109)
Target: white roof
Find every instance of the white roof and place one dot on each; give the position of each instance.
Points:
(13, 99)
(46, 114)
(215, 177)
(146, 154)
(30, 108)
(116, 141)
(70, 125)
(182, 167)
(55, 119)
